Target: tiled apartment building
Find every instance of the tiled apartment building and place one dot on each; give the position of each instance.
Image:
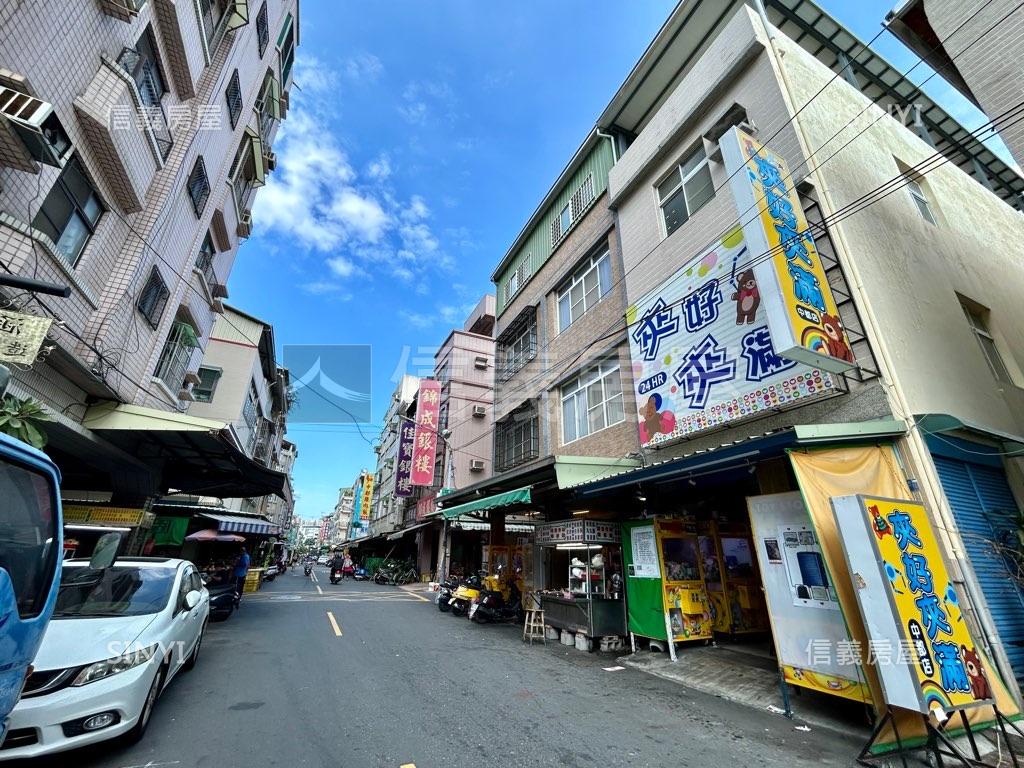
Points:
(133, 137)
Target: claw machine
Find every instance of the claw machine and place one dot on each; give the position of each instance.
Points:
(731, 579)
(666, 598)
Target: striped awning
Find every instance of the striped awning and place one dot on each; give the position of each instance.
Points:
(242, 524)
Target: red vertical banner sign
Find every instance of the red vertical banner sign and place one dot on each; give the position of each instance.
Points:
(424, 452)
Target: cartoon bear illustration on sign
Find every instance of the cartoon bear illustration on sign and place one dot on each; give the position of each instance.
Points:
(747, 298)
(837, 346)
(980, 689)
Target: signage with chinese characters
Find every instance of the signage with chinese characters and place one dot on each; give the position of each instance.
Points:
(21, 336)
(366, 494)
(403, 470)
(909, 602)
(703, 356)
(117, 516)
(424, 452)
(790, 278)
(578, 530)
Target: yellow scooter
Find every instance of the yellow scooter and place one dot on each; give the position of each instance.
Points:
(468, 591)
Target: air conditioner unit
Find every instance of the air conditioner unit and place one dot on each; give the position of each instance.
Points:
(219, 291)
(271, 161)
(192, 378)
(479, 410)
(476, 465)
(217, 306)
(37, 126)
(285, 102)
(245, 224)
(480, 362)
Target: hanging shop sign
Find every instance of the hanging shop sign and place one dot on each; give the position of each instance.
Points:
(366, 495)
(169, 530)
(789, 277)
(812, 641)
(577, 531)
(698, 363)
(357, 507)
(22, 336)
(76, 514)
(403, 472)
(910, 605)
(424, 454)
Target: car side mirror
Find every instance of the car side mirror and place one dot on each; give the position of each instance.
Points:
(192, 599)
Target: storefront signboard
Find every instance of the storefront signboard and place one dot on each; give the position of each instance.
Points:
(787, 276)
(21, 336)
(424, 454)
(169, 531)
(115, 516)
(403, 471)
(703, 356)
(909, 604)
(357, 507)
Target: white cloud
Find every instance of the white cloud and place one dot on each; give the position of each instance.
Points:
(417, 320)
(421, 98)
(324, 288)
(379, 169)
(363, 67)
(316, 202)
(313, 76)
(341, 266)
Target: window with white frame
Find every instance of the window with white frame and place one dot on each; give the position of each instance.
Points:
(208, 378)
(592, 401)
(920, 199)
(686, 189)
(977, 317)
(588, 285)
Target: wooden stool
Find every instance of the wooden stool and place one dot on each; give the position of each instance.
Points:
(533, 629)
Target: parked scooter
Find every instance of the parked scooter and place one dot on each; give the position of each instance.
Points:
(494, 605)
(361, 574)
(444, 593)
(465, 594)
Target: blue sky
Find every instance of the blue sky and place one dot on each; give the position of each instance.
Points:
(421, 137)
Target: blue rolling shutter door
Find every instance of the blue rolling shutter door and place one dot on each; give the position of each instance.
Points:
(984, 509)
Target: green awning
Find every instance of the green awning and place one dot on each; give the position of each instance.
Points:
(507, 499)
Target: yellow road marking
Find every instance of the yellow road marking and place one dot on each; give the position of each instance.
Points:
(407, 765)
(418, 597)
(334, 624)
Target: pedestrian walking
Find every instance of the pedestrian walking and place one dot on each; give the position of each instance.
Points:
(241, 570)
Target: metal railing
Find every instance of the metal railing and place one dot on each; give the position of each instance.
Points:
(173, 362)
(266, 121)
(204, 263)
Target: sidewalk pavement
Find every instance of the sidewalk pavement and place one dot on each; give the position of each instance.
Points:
(753, 681)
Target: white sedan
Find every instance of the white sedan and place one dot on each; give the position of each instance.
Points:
(118, 637)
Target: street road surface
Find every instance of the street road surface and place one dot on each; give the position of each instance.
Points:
(354, 675)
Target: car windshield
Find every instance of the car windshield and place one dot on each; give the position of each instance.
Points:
(115, 591)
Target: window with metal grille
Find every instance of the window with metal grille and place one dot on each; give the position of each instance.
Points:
(686, 189)
(262, 30)
(516, 439)
(251, 409)
(517, 279)
(153, 298)
(592, 401)
(204, 260)
(71, 211)
(233, 95)
(518, 345)
(588, 285)
(570, 213)
(198, 186)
